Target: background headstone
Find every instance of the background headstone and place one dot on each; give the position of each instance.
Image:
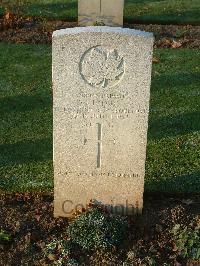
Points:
(101, 87)
(100, 12)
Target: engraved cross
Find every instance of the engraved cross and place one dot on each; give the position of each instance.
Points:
(99, 143)
(100, 6)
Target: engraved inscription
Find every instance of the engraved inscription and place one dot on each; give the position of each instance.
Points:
(103, 174)
(102, 67)
(81, 112)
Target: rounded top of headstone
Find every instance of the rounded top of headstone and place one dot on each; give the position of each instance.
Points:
(102, 29)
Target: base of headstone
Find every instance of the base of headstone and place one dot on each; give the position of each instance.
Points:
(100, 13)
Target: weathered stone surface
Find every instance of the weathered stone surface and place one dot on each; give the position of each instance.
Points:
(104, 12)
(101, 87)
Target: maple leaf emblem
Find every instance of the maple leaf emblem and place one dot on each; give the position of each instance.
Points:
(101, 67)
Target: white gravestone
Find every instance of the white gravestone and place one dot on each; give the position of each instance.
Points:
(101, 88)
(100, 12)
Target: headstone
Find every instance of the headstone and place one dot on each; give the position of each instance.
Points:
(101, 87)
(100, 12)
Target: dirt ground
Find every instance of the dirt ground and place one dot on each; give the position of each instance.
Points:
(28, 218)
(15, 29)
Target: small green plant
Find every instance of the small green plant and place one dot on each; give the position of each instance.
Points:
(59, 252)
(180, 33)
(72, 262)
(4, 236)
(97, 229)
(135, 258)
(187, 241)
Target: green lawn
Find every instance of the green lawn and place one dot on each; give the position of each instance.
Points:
(141, 11)
(173, 159)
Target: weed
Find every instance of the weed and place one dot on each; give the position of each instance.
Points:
(4, 236)
(187, 241)
(97, 229)
(59, 251)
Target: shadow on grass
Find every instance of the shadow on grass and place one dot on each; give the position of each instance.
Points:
(60, 9)
(142, 1)
(174, 125)
(152, 11)
(166, 17)
(26, 151)
(174, 80)
(23, 103)
(183, 185)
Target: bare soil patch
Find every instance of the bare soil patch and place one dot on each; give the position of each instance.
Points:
(15, 29)
(28, 218)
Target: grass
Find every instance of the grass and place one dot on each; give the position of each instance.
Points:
(173, 158)
(173, 163)
(140, 11)
(26, 125)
